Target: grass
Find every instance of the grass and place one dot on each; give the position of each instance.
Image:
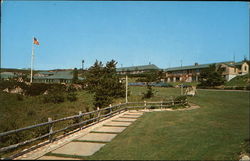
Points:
(16, 114)
(239, 81)
(216, 131)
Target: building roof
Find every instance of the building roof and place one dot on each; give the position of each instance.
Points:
(45, 72)
(141, 67)
(6, 75)
(59, 75)
(199, 66)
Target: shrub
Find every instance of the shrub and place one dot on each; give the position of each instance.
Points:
(152, 107)
(19, 97)
(239, 88)
(53, 98)
(181, 99)
(71, 96)
(149, 93)
(248, 87)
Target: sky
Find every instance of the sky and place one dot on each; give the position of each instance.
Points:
(163, 33)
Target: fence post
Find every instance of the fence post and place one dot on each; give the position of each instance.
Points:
(80, 119)
(172, 102)
(98, 114)
(145, 104)
(50, 130)
(161, 104)
(110, 108)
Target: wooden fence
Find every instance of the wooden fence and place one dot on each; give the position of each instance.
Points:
(94, 117)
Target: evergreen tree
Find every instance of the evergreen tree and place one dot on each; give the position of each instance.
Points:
(211, 76)
(104, 83)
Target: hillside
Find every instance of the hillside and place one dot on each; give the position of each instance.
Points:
(239, 81)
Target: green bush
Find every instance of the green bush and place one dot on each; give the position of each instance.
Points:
(19, 97)
(149, 93)
(180, 98)
(53, 98)
(239, 88)
(56, 94)
(248, 87)
(152, 107)
(71, 96)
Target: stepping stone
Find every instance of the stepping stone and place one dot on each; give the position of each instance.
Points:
(113, 123)
(134, 114)
(109, 129)
(134, 111)
(55, 158)
(124, 119)
(130, 116)
(97, 137)
(79, 148)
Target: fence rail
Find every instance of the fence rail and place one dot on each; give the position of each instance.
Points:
(100, 114)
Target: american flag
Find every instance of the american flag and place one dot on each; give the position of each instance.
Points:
(36, 41)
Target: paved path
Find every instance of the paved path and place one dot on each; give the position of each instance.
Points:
(93, 141)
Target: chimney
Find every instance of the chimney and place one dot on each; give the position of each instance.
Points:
(195, 63)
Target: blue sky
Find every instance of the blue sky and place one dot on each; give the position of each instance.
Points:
(132, 33)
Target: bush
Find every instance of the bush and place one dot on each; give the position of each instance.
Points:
(180, 98)
(37, 89)
(149, 93)
(152, 107)
(71, 96)
(53, 98)
(55, 94)
(248, 87)
(239, 88)
(19, 97)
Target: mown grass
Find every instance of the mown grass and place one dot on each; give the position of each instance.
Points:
(215, 131)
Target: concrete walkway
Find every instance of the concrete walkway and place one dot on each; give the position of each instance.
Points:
(95, 139)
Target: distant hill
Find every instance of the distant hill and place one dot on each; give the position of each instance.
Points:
(242, 80)
(27, 71)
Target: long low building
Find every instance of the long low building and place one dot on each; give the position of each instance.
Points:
(191, 73)
(54, 77)
(137, 69)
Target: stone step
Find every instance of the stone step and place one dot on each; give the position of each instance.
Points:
(102, 137)
(113, 123)
(130, 116)
(56, 158)
(79, 148)
(109, 129)
(124, 119)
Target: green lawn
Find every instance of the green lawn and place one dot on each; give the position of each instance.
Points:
(213, 132)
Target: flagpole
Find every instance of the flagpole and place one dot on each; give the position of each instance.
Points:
(32, 61)
(126, 89)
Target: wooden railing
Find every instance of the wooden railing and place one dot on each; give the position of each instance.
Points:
(94, 117)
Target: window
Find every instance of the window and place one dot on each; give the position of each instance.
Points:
(245, 68)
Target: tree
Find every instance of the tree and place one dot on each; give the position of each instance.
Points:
(211, 76)
(75, 75)
(104, 83)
